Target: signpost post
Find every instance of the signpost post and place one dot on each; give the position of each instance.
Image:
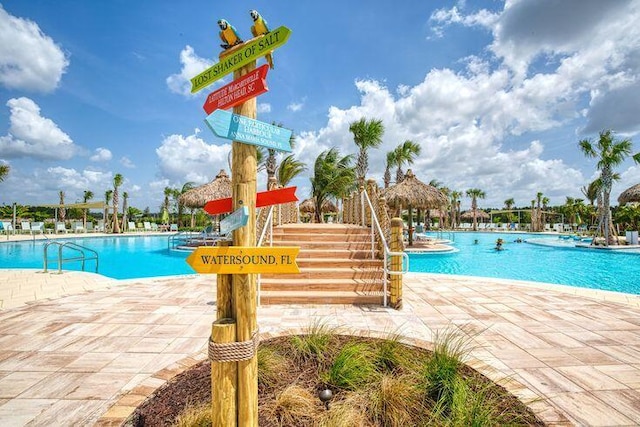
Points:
(240, 56)
(239, 128)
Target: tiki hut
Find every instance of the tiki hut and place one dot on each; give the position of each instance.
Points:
(631, 194)
(219, 188)
(308, 207)
(413, 193)
(479, 214)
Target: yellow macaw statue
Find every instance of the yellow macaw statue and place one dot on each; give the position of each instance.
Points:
(259, 28)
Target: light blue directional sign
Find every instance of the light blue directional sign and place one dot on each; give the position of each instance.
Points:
(240, 128)
(234, 220)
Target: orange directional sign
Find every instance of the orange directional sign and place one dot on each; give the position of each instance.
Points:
(264, 198)
(238, 91)
(244, 260)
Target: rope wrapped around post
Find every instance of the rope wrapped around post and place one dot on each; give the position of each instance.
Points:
(234, 351)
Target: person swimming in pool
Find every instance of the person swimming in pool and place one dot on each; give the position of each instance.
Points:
(499, 243)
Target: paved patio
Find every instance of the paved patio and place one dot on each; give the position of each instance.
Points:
(92, 356)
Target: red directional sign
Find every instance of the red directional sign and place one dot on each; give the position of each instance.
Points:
(238, 91)
(264, 198)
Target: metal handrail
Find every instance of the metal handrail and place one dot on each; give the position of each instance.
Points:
(73, 246)
(386, 252)
(267, 224)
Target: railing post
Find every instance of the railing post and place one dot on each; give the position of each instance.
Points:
(396, 247)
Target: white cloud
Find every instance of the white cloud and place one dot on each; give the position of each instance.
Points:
(190, 158)
(295, 106)
(441, 18)
(31, 135)
(101, 155)
(127, 163)
(29, 59)
(264, 107)
(192, 65)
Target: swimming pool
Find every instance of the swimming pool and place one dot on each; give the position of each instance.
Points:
(121, 257)
(587, 268)
(128, 257)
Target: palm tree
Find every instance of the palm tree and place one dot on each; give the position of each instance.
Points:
(391, 162)
(88, 195)
(610, 153)
(125, 209)
(538, 226)
(107, 200)
(591, 191)
(455, 205)
(168, 191)
(4, 171)
(62, 212)
(117, 182)
(545, 203)
(508, 204)
(333, 176)
(475, 194)
(185, 187)
(366, 134)
(405, 153)
(289, 169)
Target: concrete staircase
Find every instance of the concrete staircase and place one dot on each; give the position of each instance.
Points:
(335, 267)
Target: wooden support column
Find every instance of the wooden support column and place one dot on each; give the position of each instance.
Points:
(371, 190)
(223, 291)
(224, 377)
(395, 281)
(244, 286)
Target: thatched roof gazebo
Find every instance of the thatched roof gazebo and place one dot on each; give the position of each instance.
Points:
(308, 206)
(631, 194)
(219, 188)
(413, 193)
(478, 214)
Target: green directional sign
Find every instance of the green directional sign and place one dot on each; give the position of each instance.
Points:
(240, 57)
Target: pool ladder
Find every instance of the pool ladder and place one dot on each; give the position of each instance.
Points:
(79, 251)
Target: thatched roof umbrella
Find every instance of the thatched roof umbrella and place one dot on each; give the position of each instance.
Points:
(219, 188)
(477, 213)
(413, 193)
(309, 206)
(631, 194)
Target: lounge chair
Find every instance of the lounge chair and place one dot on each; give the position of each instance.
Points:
(131, 226)
(90, 228)
(147, 226)
(154, 227)
(77, 227)
(61, 227)
(173, 227)
(100, 227)
(37, 228)
(6, 227)
(25, 227)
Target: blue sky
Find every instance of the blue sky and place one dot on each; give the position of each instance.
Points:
(498, 94)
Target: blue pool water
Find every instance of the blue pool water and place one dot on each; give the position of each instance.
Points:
(119, 257)
(587, 268)
(147, 256)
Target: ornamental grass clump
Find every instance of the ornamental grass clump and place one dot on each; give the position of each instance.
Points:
(271, 366)
(352, 368)
(294, 406)
(315, 343)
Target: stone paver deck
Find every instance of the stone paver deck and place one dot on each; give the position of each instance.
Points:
(90, 358)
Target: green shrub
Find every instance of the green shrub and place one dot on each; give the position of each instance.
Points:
(352, 368)
(315, 343)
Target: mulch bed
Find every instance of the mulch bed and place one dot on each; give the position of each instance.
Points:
(193, 387)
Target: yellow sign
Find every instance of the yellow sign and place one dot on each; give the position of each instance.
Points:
(244, 260)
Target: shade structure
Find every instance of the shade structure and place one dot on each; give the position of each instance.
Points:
(219, 188)
(478, 214)
(631, 194)
(412, 192)
(309, 206)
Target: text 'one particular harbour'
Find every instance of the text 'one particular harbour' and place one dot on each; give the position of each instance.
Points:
(240, 57)
(244, 260)
(243, 129)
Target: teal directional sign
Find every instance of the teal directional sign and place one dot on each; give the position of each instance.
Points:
(240, 128)
(234, 220)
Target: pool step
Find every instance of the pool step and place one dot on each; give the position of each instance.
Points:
(336, 267)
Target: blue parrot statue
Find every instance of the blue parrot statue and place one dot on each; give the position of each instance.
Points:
(260, 27)
(228, 34)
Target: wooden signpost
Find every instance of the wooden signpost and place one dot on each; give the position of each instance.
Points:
(237, 219)
(263, 198)
(238, 91)
(240, 56)
(244, 260)
(240, 128)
